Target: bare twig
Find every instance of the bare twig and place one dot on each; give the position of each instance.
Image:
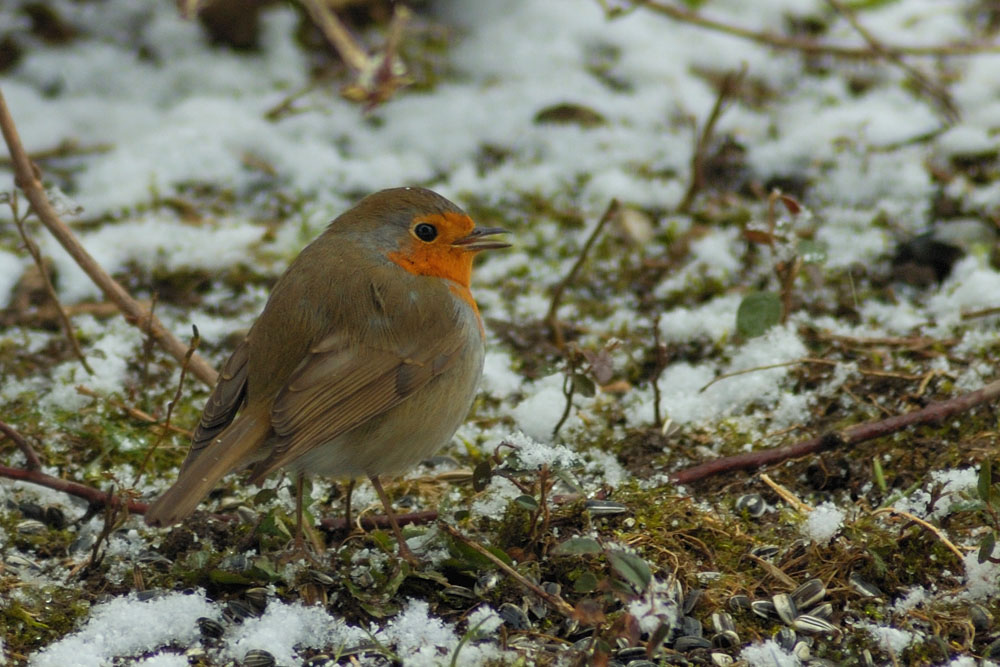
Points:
(728, 89)
(93, 496)
(36, 255)
(933, 413)
(135, 413)
(553, 601)
(786, 495)
(928, 526)
(34, 463)
(380, 521)
(195, 340)
(935, 90)
(551, 318)
(808, 46)
(28, 179)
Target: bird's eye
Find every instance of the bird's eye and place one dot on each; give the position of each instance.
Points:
(425, 232)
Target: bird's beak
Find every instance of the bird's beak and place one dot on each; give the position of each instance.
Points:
(477, 239)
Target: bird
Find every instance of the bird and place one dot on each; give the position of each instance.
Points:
(364, 361)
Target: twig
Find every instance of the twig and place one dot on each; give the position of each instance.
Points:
(36, 255)
(728, 88)
(932, 528)
(551, 317)
(27, 178)
(95, 497)
(933, 413)
(786, 495)
(936, 91)
(808, 46)
(379, 521)
(34, 463)
(554, 601)
(135, 413)
(195, 340)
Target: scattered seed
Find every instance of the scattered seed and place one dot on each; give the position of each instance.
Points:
(753, 504)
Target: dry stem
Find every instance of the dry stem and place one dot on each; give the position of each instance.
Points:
(28, 179)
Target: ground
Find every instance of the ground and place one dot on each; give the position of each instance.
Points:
(735, 226)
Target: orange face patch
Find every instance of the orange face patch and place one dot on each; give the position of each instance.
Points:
(438, 257)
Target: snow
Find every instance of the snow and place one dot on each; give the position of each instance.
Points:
(179, 115)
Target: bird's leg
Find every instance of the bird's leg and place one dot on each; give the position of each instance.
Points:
(347, 504)
(300, 544)
(300, 550)
(404, 551)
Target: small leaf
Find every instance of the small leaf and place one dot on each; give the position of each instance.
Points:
(585, 583)
(577, 545)
(527, 502)
(758, 312)
(793, 206)
(986, 547)
(758, 236)
(583, 385)
(632, 568)
(264, 496)
(985, 485)
(482, 475)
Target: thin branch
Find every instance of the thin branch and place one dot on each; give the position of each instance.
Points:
(195, 340)
(93, 496)
(920, 522)
(380, 521)
(937, 92)
(933, 413)
(551, 317)
(553, 601)
(728, 88)
(34, 463)
(36, 255)
(27, 178)
(808, 46)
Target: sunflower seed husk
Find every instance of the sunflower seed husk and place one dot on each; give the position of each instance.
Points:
(257, 598)
(982, 619)
(764, 608)
(237, 611)
(824, 611)
(722, 660)
(630, 653)
(765, 551)
(785, 607)
(809, 593)
(786, 638)
(210, 628)
(690, 627)
(486, 583)
(863, 587)
(459, 592)
(258, 658)
(739, 602)
(604, 507)
(690, 600)
(753, 504)
(722, 621)
(802, 651)
(321, 578)
(31, 527)
(807, 623)
(685, 643)
(726, 639)
(514, 617)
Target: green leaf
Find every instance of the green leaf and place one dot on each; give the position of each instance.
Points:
(585, 583)
(632, 568)
(986, 547)
(583, 385)
(578, 545)
(758, 312)
(265, 496)
(225, 578)
(527, 502)
(482, 474)
(985, 485)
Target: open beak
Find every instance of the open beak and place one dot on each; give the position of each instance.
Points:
(478, 239)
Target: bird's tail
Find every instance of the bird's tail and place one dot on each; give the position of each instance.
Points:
(234, 448)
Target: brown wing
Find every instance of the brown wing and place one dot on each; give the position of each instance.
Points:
(226, 400)
(338, 387)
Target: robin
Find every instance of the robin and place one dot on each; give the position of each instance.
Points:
(364, 361)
